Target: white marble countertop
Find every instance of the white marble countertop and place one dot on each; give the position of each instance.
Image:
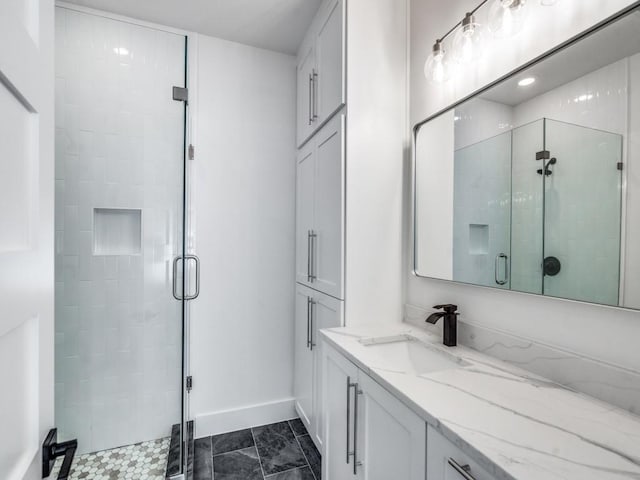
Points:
(516, 425)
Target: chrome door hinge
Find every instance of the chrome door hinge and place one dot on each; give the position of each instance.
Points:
(181, 94)
(189, 383)
(191, 152)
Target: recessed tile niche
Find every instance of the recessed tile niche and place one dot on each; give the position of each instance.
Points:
(478, 239)
(117, 231)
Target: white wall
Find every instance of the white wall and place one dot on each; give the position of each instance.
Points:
(435, 180)
(377, 138)
(573, 326)
(244, 208)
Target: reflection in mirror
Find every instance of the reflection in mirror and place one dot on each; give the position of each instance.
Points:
(534, 184)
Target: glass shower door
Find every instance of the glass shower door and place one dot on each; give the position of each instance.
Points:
(527, 211)
(582, 213)
(120, 217)
(481, 212)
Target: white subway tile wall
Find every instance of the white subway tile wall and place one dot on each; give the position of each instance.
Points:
(119, 140)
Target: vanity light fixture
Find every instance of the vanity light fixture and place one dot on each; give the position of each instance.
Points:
(436, 69)
(506, 17)
(525, 82)
(467, 41)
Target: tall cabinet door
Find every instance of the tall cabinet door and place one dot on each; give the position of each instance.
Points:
(330, 87)
(303, 378)
(305, 188)
(391, 438)
(306, 93)
(327, 244)
(326, 312)
(338, 377)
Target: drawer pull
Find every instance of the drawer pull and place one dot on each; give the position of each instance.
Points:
(463, 470)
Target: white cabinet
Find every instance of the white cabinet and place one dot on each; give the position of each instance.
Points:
(445, 461)
(321, 86)
(339, 375)
(368, 432)
(313, 312)
(320, 210)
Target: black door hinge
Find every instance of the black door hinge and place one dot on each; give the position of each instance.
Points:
(51, 450)
(181, 94)
(543, 155)
(189, 383)
(620, 166)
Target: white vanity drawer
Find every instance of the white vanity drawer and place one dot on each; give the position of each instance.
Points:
(445, 461)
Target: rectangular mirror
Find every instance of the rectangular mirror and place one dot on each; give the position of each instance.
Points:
(533, 184)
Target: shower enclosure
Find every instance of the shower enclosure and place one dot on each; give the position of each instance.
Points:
(538, 209)
(120, 349)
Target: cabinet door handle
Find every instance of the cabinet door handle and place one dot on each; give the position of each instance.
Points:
(308, 321)
(314, 90)
(312, 304)
(505, 279)
(310, 98)
(311, 248)
(463, 470)
(356, 463)
(349, 385)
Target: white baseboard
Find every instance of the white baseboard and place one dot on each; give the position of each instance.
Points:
(225, 421)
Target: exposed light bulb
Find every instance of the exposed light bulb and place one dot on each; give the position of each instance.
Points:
(436, 68)
(506, 17)
(467, 42)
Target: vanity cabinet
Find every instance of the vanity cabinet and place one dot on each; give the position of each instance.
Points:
(368, 432)
(445, 461)
(313, 312)
(320, 210)
(320, 70)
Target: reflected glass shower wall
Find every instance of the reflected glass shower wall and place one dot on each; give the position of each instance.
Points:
(505, 203)
(582, 212)
(119, 224)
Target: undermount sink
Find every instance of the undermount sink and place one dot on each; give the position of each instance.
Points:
(404, 353)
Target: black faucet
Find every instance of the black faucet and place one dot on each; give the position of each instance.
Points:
(450, 337)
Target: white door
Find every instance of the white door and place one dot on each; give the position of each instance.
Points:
(330, 60)
(26, 234)
(305, 109)
(338, 401)
(305, 187)
(303, 368)
(391, 438)
(327, 245)
(326, 312)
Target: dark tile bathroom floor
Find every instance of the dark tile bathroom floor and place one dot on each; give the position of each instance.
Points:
(280, 451)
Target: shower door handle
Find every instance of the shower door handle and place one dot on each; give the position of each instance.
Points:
(197, 262)
(176, 295)
(506, 269)
(177, 260)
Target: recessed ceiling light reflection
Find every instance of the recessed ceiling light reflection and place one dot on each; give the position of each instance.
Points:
(525, 82)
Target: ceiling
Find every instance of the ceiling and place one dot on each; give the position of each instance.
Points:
(277, 25)
(602, 48)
